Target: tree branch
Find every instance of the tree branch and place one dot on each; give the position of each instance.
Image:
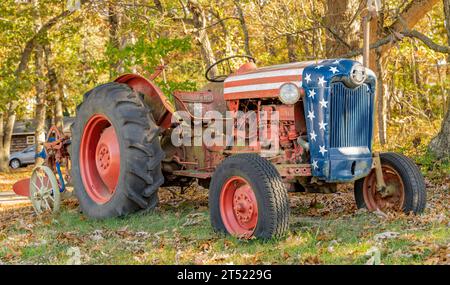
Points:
(427, 41)
(31, 43)
(396, 37)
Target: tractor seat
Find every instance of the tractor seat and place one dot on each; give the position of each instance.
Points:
(193, 97)
(245, 68)
(210, 97)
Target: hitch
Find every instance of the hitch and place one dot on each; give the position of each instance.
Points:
(381, 184)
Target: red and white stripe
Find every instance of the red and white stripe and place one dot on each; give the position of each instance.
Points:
(263, 82)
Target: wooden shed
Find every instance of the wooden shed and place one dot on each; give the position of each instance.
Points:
(24, 133)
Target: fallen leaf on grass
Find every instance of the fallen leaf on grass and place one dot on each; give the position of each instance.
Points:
(74, 254)
(386, 235)
(375, 256)
(380, 214)
(97, 235)
(401, 254)
(194, 219)
(219, 257)
(69, 238)
(312, 260)
(330, 248)
(158, 234)
(206, 246)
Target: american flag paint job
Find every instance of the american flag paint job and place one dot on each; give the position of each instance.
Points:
(329, 161)
(344, 161)
(263, 82)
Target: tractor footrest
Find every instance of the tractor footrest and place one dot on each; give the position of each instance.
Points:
(194, 173)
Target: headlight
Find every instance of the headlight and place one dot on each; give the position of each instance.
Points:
(289, 93)
(358, 74)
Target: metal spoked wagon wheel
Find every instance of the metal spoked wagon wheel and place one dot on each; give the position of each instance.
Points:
(44, 190)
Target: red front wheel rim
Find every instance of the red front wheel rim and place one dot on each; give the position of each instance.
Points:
(239, 207)
(100, 159)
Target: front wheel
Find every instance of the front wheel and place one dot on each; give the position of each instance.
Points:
(405, 187)
(248, 198)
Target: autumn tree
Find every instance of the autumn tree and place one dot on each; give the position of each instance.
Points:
(440, 145)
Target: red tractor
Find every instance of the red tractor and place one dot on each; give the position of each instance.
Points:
(311, 128)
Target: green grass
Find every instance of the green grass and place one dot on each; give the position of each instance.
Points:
(324, 229)
(165, 237)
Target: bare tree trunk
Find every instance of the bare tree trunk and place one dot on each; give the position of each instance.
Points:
(243, 27)
(292, 48)
(381, 100)
(40, 111)
(290, 40)
(447, 23)
(54, 89)
(440, 145)
(3, 155)
(375, 63)
(423, 97)
(7, 126)
(41, 107)
(446, 68)
(226, 36)
(114, 24)
(201, 35)
(442, 87)
(342, 33)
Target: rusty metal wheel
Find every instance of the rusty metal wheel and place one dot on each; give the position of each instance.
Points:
(391, 198)
(405, 187)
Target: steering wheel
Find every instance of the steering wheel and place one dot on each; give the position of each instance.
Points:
(222, 77)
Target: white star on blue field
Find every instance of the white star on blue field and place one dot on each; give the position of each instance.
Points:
(318, 77)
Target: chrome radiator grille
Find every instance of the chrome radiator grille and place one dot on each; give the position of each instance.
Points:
(351, 117)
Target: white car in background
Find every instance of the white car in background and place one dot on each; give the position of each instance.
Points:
(23, 158)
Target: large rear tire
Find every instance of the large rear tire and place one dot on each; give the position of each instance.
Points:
(248, 198)
(116, 153)
(405, 189)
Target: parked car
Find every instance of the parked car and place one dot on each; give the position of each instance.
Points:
(22, 158)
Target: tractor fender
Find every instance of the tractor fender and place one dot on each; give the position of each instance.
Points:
(162, 108)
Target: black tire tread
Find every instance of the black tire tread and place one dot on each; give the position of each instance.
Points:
(274, 192)
(141, 144)
(415, 189)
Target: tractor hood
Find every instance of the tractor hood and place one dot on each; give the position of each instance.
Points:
(265, 82)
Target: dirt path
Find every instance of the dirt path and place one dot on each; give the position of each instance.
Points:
(9, 198)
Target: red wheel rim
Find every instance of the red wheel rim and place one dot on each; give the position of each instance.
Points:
(395, 195)
(238, 207)
(99, 159)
